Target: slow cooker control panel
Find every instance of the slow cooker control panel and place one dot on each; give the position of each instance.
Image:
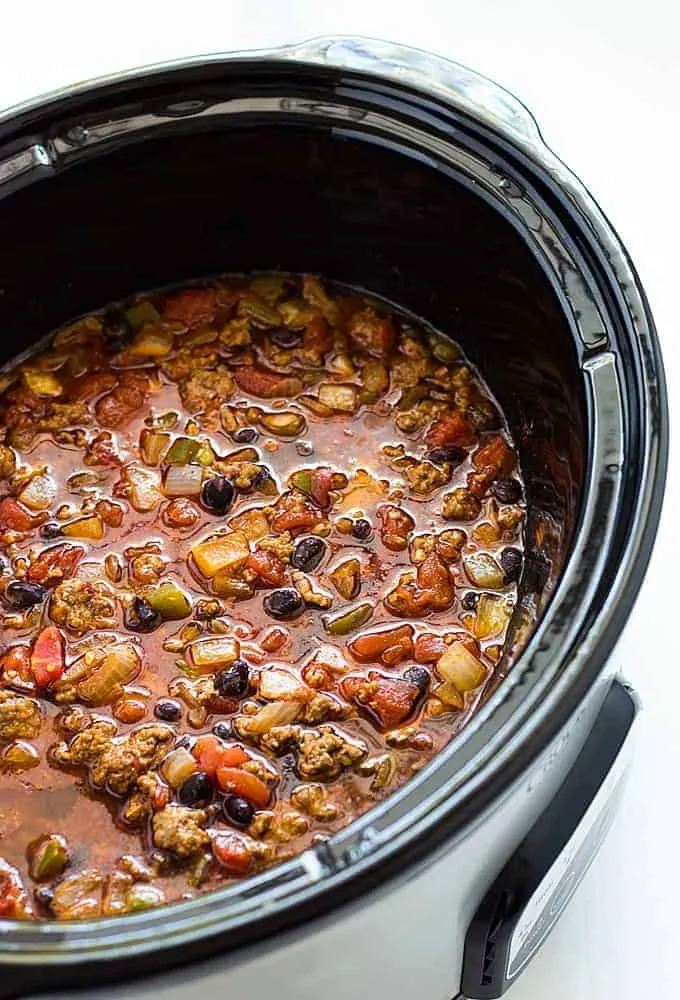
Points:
(529, 895)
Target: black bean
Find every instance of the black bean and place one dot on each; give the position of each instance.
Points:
(283, 337)
(232, 682)
(197, 790)
(452, 455)
(50, 530)
(362, 529)
(217, 494)
(511, 561)
(24, 595)
(265, 482)
(470, 601)
(238, 811)
(222, 730)
(507, 490)
(285, 603)
(117, 330)
(167, 710)
(244, 435)
(420, 676)
(288, 764)
(141, 617)
(308, 553)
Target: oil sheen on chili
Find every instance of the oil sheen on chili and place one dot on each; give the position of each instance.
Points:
(261, 538)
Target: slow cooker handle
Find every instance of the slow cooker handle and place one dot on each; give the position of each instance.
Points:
(529, 895)
(460, 86)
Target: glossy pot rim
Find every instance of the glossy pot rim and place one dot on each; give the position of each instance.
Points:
(492, 752)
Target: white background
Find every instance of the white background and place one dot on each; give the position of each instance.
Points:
(603, 79)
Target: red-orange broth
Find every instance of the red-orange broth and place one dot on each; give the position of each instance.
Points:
(261, 538)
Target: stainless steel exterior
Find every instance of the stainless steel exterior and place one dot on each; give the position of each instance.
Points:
(406, 938)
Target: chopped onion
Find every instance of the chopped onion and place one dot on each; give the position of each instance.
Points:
(221, 552)
(210, 654)
(104, 684)
(493, 615)
(339, 396)
(331, 658)
(341, 364)
(178, 766)
(183, 481)
(144, 492)
(152, 445)
(459, 666)
(252, 523)
(152, 341)
(276, 713)
(450, 695)
(277, 684)
(43, 383)
(317, 408)
(39, 493)
(483, 570)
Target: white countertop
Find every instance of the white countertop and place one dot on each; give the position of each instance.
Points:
(603, 79)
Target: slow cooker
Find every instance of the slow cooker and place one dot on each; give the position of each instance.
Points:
(415, 178)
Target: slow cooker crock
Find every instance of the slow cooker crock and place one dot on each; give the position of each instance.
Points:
(419, 180)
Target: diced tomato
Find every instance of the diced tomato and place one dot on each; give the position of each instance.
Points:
(386, 337)
(429, 647)
(249, 786)
(102, 451)
(16, 660)
(389, 645)
(322, 479)
(274, 639)
(292, 519)
(395, 526)
(432, 590)
(160, 796)
(14, 517)
(47, 657)
(10, 889)
(91, 385)
(266, 384)
(110, 513)
(493, 459)
(453, 430)
(434, 579)
(117, 406)
(293, 512)
(268, 567)
(181, 513)
(495, 454)
(232, 853)
(371, 331)
(211, 753)
(318, 336)
(191, 306)
(389, 699)
(55, 564)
